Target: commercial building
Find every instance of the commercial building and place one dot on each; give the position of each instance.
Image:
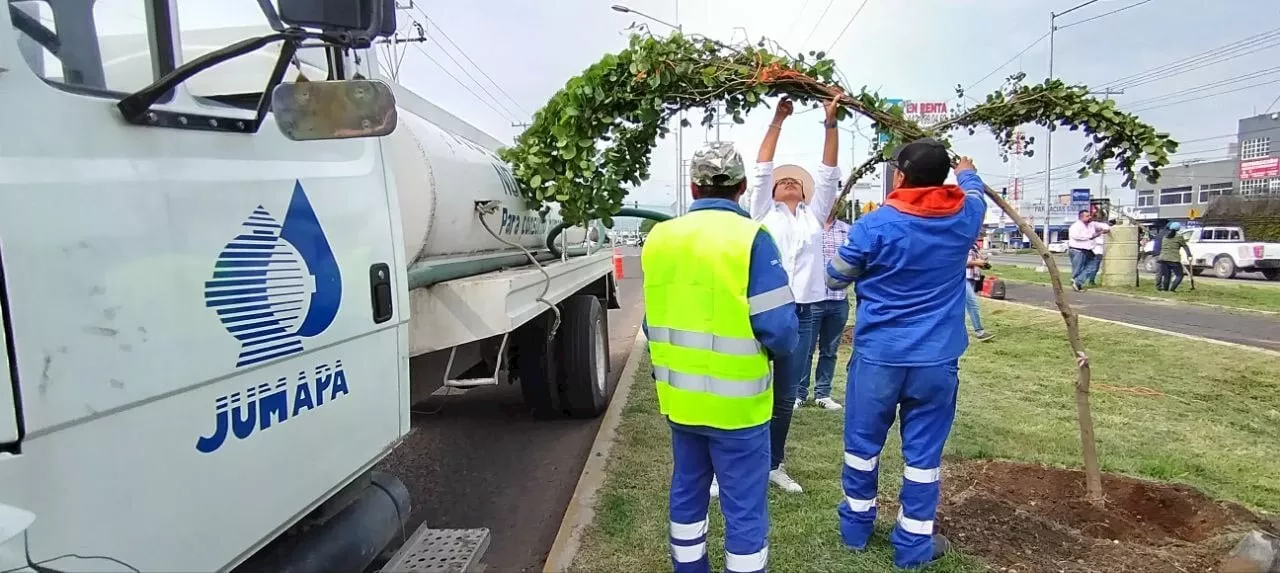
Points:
(1184, 190)
(1259, 141)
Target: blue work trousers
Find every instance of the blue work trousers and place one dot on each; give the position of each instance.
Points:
(740, 461)
(925, 398)
(787, 371)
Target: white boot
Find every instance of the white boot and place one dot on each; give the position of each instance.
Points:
(715, 487)
(784, 482)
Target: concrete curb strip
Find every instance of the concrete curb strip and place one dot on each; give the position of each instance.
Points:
(581, 510)
(1266, 351)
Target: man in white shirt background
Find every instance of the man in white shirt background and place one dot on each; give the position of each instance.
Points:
(830, 316)
(1099, 248)
(793, 207)
(1080, 245)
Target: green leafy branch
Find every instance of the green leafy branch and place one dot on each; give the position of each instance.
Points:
(594, 138)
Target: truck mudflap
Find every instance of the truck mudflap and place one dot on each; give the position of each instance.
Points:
(11, 429)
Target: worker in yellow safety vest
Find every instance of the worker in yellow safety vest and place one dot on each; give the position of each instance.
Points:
(718, 308)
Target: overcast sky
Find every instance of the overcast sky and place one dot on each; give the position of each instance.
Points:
(912, 49)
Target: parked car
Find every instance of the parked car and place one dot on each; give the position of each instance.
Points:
(1058, 247)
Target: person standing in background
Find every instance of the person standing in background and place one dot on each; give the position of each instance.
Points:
(792, 207)
(1099, 248)
(829, 319)
(1080, 246)
(1170, 259)
(973, 274)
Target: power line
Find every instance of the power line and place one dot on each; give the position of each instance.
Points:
(796, 20)
(1273, 104)
(1010, 61)
(1206, 96)
(464, 86)
(847, 24)
(1206, 86)
(1116, 11)
(816, 24)
(455, 45)
(1222, 53)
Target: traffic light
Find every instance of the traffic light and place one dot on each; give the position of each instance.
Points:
(1004, 192)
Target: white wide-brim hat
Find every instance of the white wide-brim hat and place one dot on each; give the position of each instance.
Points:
(799, 174)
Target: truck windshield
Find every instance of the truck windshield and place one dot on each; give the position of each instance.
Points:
(106, 47)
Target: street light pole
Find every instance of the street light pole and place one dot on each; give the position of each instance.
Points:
(1048, 144)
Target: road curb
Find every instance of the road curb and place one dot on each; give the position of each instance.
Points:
(1166, 301)
(1266, 351)
(581, 511)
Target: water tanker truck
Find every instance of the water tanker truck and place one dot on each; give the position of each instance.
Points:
(210, 301)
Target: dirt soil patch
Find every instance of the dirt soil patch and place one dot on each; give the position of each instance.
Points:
(1028, 518)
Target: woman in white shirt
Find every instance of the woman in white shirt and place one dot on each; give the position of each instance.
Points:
(793, 207)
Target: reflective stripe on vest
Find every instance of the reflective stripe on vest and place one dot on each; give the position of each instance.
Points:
(708, 366)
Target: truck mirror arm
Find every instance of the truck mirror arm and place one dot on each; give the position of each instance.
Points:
(35, 30)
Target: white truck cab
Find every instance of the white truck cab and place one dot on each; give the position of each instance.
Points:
(210, 296)
(1227, 251)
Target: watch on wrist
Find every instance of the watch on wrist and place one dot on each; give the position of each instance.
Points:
(831, 123)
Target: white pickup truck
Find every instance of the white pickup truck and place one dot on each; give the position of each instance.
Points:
(1226, 251)
(219, 298)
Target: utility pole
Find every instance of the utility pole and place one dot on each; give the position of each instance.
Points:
(1048, 144)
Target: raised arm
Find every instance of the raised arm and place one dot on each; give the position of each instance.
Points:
(827, 184)
(762, 181)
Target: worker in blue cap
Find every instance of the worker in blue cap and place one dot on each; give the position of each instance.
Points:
(908, 258)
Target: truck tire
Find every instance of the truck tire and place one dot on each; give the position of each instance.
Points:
(566, 377)
(583, 344)
(1224, 267)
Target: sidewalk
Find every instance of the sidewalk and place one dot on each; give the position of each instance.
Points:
(1238, 327)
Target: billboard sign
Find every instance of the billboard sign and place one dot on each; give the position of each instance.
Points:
(923, 111)
(1079, 195)
(1260, 168)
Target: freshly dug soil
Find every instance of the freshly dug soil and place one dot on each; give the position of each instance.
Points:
(1028, 518)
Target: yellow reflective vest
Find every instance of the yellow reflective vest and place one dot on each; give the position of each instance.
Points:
(709, 367)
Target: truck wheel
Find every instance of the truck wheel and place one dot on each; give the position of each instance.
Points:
(535, 362)
(1224, 267)
(568, 375)
(583, 344)
(1271, 274)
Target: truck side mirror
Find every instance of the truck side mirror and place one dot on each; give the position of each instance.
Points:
(337, 109)
(368, 18)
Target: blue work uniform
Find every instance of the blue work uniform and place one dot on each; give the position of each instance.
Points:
(739, 458)
(908, 258)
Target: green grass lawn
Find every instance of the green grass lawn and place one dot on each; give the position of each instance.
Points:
(1224, 294)
(1216, 426)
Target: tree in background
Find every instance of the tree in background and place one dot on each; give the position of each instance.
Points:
(647, 225)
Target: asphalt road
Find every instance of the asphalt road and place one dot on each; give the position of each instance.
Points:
(1252, 279)
(1250, 329)
(479, 460)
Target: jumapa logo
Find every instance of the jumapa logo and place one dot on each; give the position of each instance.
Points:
(273, 285)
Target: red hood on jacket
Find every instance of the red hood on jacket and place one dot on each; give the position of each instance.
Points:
(941, 201)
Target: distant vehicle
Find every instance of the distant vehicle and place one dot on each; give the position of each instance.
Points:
(1225, 250)
(1058, 247)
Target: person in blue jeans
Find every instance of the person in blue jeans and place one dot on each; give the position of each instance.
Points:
(830, 316)
(973, 275)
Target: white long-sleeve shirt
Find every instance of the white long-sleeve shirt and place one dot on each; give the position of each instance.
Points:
(1080, 235)
(798, 235)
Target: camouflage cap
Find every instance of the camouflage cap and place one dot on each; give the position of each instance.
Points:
(717, 163)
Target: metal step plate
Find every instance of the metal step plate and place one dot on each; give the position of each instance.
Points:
(441, 551)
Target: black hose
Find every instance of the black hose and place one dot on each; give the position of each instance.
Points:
(623, 212)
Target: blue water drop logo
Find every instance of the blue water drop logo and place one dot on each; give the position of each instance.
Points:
(276, 283)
